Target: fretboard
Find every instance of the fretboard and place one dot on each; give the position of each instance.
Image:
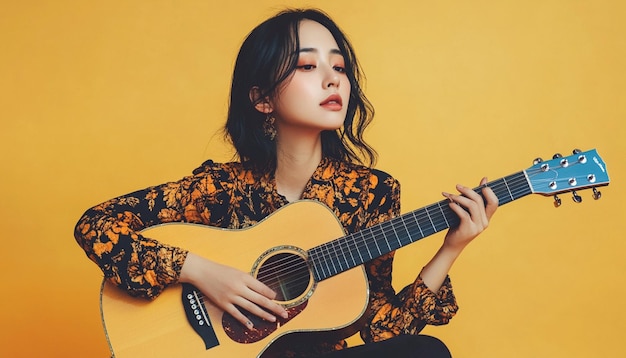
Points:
(344, 253)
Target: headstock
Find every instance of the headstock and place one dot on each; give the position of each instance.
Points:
(581, 170)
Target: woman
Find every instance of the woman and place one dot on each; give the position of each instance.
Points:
(296, 119)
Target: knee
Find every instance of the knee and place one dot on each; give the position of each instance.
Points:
(426, 346)
(437, 348)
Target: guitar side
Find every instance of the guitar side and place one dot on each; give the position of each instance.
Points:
(140, 328)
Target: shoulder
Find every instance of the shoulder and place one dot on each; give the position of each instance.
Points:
(228, 174)
(373, 177)
(210, 166)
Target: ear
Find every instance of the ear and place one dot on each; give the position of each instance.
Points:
(262, 105)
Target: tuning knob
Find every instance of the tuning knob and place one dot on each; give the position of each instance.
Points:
(537, 161)
(596, 194)
(576, 151)
(557, 201)
(557, 155)
(577, 198)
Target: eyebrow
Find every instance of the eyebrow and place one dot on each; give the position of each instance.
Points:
(311, 49)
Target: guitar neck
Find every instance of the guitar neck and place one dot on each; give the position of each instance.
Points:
(344, 253)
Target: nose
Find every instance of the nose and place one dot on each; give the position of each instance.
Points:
(331, 78)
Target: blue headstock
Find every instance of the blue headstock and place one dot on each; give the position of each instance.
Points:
(582, 170)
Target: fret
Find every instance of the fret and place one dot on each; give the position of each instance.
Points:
(368, 254)
(382, 229)
(377, 247)
(396, 235)
(439, 217)
(430, 219)
(356, 246)
(443, 213)
(417, 223)
(349, 242)
(508, 189)
(333, 258)
(343, 249)
(327, 256)
(424, 223)
(406, 229)
(341, 257)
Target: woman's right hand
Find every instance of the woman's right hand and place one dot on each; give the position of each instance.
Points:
(229, 289)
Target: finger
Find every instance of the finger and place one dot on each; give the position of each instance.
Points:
(263, 296)
(254, 309)
(457, 207)
(470, 194)
(240, 317)
(473, 203)
(260, 287)
(492, 201)
(490, 198)
(470, 200)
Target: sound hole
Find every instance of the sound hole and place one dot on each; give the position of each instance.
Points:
(287, 274)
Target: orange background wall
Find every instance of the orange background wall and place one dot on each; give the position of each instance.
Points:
(99, 98)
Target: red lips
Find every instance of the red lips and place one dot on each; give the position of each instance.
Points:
(333, 102)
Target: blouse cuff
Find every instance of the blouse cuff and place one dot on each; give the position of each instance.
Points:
(435, 308)
(152, 268)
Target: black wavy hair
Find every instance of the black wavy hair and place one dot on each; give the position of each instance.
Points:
(267, 58)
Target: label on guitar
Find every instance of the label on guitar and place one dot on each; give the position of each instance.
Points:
(193, 302)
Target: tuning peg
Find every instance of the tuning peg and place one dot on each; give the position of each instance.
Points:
(557, 201)
(576, 151)
(577, 198)
(537, 161)
(597, 194)
(557, 155)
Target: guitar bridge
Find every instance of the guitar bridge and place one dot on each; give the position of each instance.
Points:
(197, 315)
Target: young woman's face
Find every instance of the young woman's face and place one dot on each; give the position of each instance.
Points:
(316, 96)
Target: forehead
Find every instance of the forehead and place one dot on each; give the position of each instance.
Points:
(312, 34)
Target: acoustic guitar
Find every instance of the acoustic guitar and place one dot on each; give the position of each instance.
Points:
(303, 254)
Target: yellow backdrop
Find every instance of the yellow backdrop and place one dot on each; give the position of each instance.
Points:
(99, 98)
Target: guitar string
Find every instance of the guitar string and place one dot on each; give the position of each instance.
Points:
(438, 225)
(431, 214)
(438, 215)
(515, 191)
(279, 267)
(434, 212)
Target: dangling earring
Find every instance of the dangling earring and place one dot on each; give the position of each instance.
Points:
(268, 126)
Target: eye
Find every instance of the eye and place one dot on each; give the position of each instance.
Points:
(306, 67)
(340, 69)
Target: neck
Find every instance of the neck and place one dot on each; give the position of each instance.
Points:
(295, 163)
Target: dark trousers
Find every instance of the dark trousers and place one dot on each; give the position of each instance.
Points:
(419, 346)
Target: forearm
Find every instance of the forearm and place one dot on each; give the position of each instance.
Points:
(139, 265)
(110, 235)
(437, 269)
(474, 217)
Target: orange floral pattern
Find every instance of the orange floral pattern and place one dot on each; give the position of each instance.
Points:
(228, 195)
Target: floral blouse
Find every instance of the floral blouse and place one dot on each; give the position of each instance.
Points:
(227, 195)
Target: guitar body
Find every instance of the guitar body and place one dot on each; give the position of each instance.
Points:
(328, 309)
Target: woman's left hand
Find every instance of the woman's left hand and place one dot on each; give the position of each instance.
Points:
(473, 211)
